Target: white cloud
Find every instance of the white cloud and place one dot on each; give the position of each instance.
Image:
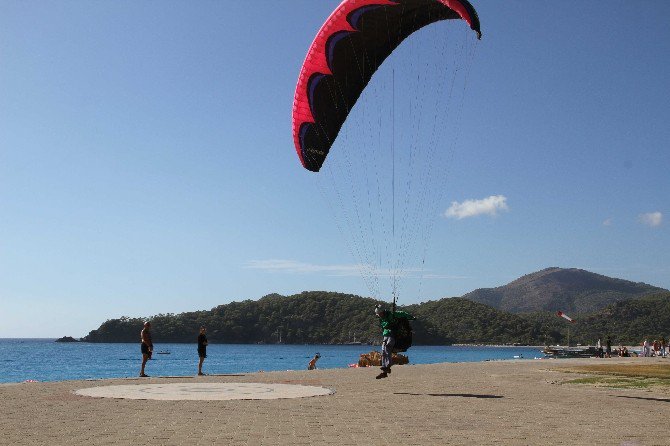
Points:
(607, 222)
(444, 277)
(652, 219)
(294, 267)
(472, 208)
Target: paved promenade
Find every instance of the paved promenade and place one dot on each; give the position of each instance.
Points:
(489, 403)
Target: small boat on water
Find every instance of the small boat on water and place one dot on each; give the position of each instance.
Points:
(163, 352)
(354, 342)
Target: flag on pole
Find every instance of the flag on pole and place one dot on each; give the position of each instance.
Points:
(565, 316)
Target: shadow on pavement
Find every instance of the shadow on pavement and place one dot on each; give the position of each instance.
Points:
(664, 400)
(462, 395)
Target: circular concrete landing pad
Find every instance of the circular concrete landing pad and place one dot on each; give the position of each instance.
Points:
(204, 391)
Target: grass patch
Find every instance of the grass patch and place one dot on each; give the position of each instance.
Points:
(661, 371)
(620, 383)
(624, 376)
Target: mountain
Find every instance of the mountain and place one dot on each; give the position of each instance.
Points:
(570, 290)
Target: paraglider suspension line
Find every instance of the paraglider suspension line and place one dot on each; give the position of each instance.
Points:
(394, 278)
(393, 149)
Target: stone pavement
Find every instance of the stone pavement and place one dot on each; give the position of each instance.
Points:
(198, 391)
(488, 403)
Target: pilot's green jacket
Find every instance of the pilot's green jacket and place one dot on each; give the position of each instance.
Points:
(388, 320)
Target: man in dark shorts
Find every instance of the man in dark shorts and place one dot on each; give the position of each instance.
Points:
(147, 346)
(202, 348)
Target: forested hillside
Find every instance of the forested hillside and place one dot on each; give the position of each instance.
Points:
(306, 318)
(629, 322)
(332, 318)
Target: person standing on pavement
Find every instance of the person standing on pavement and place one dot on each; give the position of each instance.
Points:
(202, 348)
(147, 346)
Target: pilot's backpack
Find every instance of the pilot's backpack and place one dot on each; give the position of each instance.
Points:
(402, 331)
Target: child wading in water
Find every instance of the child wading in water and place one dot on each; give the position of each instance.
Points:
(312, 363)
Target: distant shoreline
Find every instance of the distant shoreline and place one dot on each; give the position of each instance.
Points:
(237, 343)
(54, 339)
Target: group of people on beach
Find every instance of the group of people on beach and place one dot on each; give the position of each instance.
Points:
(657, 348)
(147, 347)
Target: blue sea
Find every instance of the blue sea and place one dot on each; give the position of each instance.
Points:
(46, 360)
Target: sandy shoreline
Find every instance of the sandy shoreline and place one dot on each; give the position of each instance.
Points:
(500, 402)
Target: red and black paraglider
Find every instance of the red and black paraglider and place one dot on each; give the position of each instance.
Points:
(350, 46)
(380, 193)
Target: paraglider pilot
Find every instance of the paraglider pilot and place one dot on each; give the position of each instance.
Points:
(388, 322)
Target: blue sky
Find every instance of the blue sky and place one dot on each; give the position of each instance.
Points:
(147, 163)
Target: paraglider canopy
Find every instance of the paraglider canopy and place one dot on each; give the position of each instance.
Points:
(363, 84)
(350, 46)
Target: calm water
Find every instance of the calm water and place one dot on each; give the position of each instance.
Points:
(46, 360)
